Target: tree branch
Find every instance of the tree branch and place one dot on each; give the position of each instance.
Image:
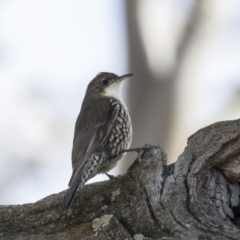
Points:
(195, 198)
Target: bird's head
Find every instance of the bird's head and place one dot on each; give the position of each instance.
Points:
(107, 84)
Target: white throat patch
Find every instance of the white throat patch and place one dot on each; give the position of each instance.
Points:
(114, 90)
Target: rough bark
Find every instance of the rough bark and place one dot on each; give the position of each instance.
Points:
(195, 198)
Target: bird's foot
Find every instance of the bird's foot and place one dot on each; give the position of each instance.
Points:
(111, 177)
(138, 150)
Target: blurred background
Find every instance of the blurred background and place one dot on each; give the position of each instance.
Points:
(185, 55)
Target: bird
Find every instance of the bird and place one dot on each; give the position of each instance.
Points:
(103, 130)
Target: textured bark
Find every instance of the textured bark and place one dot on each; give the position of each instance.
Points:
(195, 198)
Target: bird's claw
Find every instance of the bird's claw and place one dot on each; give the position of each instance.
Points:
(111, 177)
(138, 150)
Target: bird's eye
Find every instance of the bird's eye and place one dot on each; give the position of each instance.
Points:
(105, 82)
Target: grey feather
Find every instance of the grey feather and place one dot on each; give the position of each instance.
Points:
(88, 170)
(98, 135)
(97, 126)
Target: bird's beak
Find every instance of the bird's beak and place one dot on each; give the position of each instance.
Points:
(125, 76)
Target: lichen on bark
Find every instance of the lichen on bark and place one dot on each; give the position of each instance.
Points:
(195, 198)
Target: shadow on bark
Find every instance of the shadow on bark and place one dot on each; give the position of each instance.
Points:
(195, 198)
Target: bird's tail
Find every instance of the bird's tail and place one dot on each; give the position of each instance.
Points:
(89, 170)
(71, 192)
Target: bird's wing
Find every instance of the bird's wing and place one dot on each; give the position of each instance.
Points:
(91, 129)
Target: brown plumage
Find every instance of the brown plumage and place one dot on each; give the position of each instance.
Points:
(103, 128)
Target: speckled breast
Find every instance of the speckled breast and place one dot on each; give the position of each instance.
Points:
(120, 136)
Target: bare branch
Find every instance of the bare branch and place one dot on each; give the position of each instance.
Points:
(195, 198)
